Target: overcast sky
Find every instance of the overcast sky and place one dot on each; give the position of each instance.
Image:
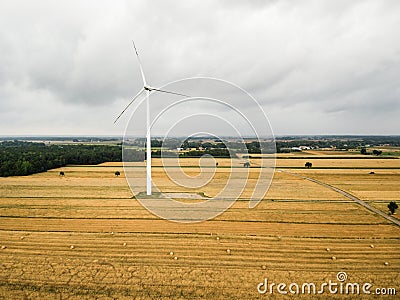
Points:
(316, 67)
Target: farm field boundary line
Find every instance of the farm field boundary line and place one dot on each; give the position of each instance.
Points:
(64, 197)
(197, 235)
(279, 266)
(229, 167)
(350, 196)
(322, 157)
(342, 168)
(130, 208)
(155, 219)
(191, 235)
(225, 199)
(155, 226)
(283, 167)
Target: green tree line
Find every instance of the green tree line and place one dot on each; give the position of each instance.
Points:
(213, 152)
(25, 158)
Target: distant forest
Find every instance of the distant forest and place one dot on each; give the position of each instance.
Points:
(282, 143)
(25, 158)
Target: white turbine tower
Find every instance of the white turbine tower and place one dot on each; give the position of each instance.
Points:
(148, 90)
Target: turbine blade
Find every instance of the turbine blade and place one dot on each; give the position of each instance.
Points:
(140, 64)
(134, 98)
(168, 92)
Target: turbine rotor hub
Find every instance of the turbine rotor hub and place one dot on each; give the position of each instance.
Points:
(148, 88)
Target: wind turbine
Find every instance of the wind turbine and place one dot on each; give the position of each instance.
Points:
(148, 89)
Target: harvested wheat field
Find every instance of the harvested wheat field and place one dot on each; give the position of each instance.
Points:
(83, 235)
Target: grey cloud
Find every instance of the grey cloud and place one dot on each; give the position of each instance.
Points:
(337, 58)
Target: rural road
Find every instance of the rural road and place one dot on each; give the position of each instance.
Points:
(346, 194)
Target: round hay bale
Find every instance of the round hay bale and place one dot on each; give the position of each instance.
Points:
(217, 238)
(386, 263)
(124, 244)
(333, 257)
(3, 247)
(171, 253)
(264, 267)
(327, 249)
(72, 247)
(228, 251)
(22, 237)
(175, 258)
(372, 246)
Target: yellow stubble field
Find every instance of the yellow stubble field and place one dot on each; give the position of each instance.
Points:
(84, 235)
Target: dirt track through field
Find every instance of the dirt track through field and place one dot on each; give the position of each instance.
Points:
(350, 196)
